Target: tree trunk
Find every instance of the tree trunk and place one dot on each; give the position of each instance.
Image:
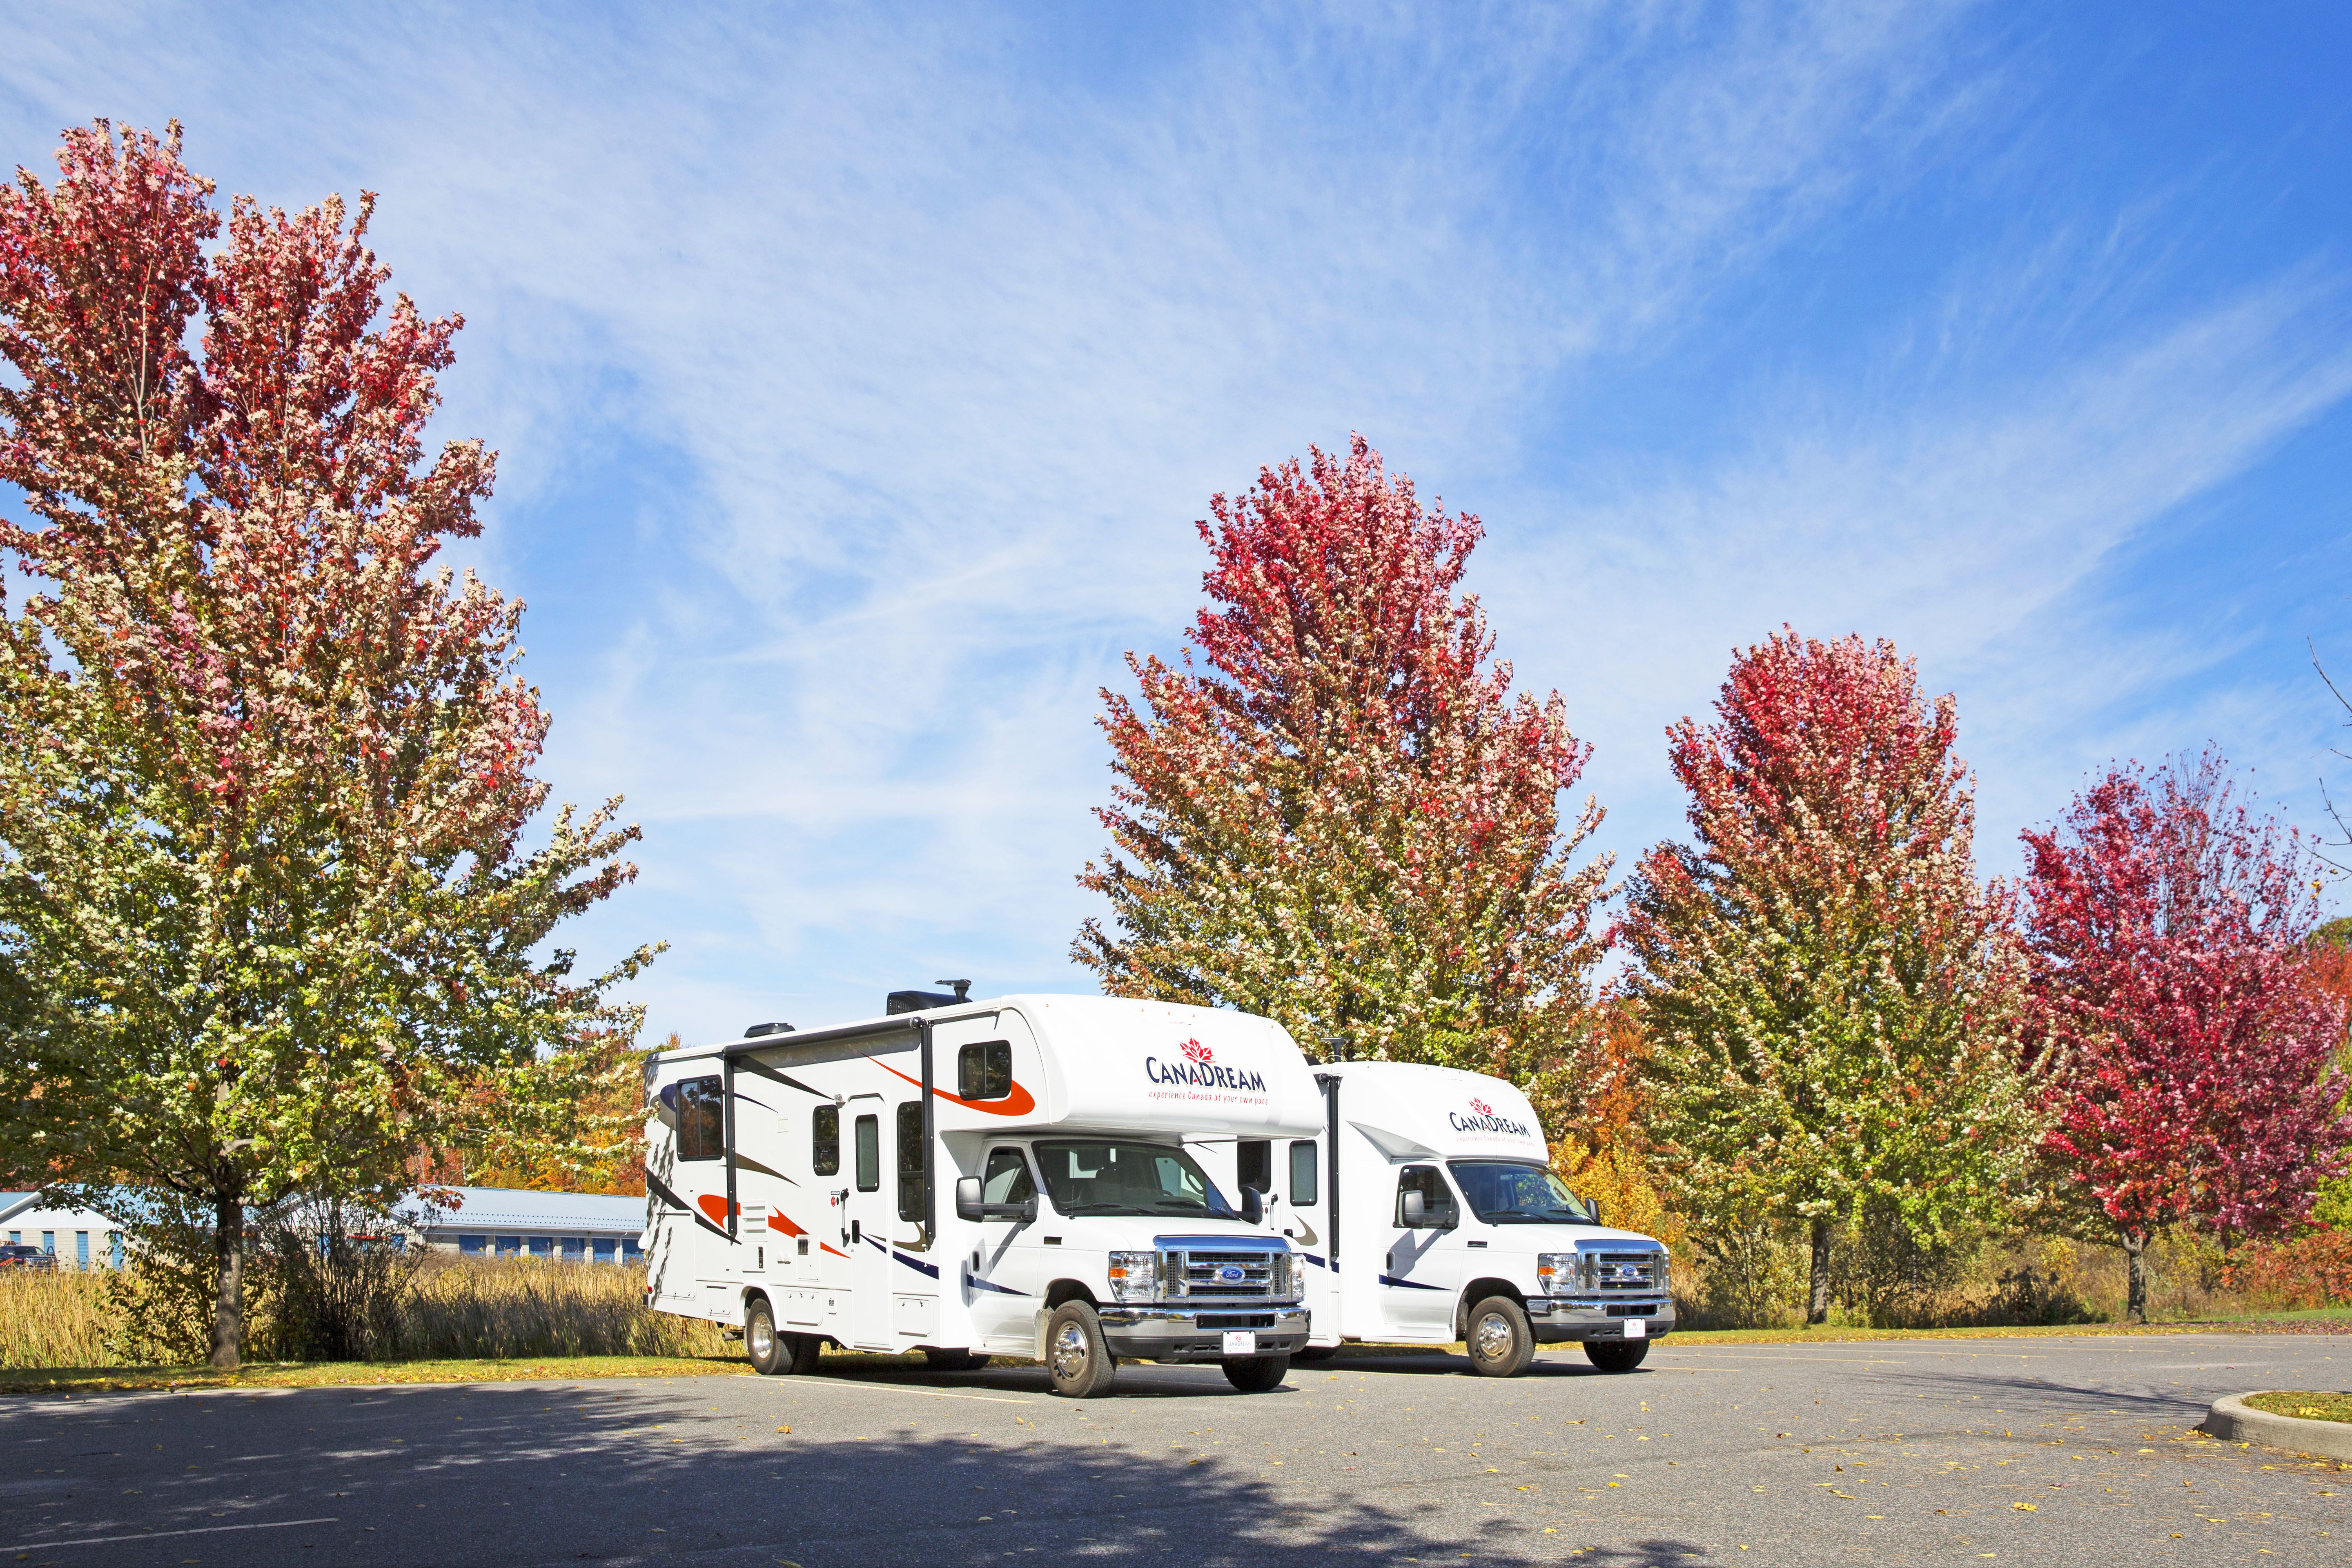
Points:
(1817, 1304)
(2136, 1271)
(229, 1300)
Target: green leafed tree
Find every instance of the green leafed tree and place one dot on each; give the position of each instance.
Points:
(1341, 816)
(1832, 997)
(267, 906)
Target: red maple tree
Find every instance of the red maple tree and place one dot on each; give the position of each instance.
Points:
(1348, 821)
(1829, 992)
(2191, 1038)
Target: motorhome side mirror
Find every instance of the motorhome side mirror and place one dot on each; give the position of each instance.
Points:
(968, 1204)
(1252, 1207)
(1029, 1209)
(1595, 1204)
(1416, 1210)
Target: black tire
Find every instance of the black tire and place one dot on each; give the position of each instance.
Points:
(1078, 1360)
(1312, 1355)
(806, 1349)
(1257, 1374)
(955, 1361)
(1616, 1355)
(767, 1350)
(1498, 1339)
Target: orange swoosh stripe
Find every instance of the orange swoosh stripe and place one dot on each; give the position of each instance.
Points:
(1020, 1102)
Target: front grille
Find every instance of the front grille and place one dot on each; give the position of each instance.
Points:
(1235, 1319)
(1194, 1274)
(1633, 1310)
(1629, 1271)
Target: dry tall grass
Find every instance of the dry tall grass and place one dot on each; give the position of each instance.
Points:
(455, 1309)
(509, 1307)
(53, 1318)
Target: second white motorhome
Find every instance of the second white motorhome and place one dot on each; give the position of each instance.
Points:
(1428, 1213)
(976, 1179)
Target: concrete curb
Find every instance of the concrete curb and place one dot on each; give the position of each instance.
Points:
(2235, 1421)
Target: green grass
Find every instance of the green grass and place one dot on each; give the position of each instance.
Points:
(316, 1375)
(2310, 1406)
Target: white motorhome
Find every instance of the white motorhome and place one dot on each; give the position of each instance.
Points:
(975, 1179)
(1431, 1214)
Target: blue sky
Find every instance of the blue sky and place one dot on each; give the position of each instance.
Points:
(857, 373)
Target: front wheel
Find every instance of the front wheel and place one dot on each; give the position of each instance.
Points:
(1077, 1359)
(1258, 1374)
(1616, 1355)
(1499, 1341)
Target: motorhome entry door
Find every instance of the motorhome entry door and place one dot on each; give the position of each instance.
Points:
(868, 1213)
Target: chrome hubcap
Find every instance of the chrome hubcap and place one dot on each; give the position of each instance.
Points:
(763, 1337)
(1492, 1338)
(1069, 1352)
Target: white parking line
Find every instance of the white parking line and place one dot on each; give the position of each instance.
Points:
(160, 1534)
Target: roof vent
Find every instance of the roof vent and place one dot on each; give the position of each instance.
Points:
(921, 1001)
(756, 1030)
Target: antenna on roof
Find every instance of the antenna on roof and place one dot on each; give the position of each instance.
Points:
(962, 988)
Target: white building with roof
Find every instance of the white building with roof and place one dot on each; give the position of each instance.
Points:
(81, 1239)
(487, 1222)
(508, 1222)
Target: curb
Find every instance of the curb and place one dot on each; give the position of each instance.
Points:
(2235, 1421)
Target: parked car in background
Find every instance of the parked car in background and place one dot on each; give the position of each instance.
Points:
(19, 1255)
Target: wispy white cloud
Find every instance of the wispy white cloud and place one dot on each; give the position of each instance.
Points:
(910, 343)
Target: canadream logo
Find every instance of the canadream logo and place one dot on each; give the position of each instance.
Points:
(1200, 1068)
(1482, 1119)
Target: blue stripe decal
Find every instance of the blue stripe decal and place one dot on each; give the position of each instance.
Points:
(917, 1264)
(1408, 1284)
(977, 1283)
(1315, 1260)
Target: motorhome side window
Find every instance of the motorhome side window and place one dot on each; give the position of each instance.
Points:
(1303, 1170)
(701, 1119)
(984, 1071)
(870, 1154)
(1007, 1179)
(910, 1161)
(824, 1141)
(1254, 1164)
(1436, 1197)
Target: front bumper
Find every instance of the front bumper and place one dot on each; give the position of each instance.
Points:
(1198, 1333)
(1560, 1319)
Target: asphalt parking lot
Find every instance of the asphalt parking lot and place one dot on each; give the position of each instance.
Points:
(2046, 1450)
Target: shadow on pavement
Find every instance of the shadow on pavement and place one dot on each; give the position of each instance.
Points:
(522, 1474)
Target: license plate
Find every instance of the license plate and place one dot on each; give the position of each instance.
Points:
(1241, 1341)
(1637, 1329)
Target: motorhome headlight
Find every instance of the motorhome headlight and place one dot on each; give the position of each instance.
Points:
(1286, 1276)
(1556, 1272)
(1133, 1274)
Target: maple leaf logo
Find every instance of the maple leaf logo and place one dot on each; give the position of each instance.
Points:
(1482, 1107)
(1195, 1051)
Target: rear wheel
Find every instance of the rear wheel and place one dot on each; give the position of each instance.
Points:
(1616, 1355)
(955, 1361)
(765, 1348)
(1258, 1372)
(1077, 1359)
(804, 1349)
(1500, 1342)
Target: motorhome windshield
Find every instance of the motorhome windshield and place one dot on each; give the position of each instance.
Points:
(1512, 1192)
(1108, 1176)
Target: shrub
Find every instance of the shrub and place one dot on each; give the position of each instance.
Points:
(2314, 1269)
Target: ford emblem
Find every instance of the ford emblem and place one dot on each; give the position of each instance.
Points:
(1232, 1274)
